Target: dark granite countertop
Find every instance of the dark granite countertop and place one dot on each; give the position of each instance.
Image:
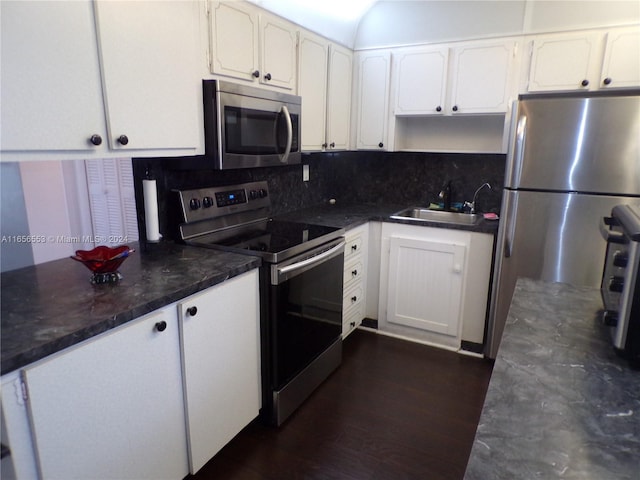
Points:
(560, 403)
(51, 306)
(351, 215)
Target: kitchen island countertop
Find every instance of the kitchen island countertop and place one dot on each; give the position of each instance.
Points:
(560, 403)
(48, 307)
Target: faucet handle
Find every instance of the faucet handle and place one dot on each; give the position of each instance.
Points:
(470, 206)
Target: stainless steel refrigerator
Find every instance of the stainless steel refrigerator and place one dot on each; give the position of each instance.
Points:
(571, 160)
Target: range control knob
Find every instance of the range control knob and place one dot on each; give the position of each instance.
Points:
(253, 194)
(262, 193)
(616, 284)
(620, 259)
(194, 204)
(207, 202)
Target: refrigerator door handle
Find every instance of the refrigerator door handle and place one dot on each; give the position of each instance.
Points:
(510, 232)
(518, 151)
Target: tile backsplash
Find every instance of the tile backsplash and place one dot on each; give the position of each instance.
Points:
(349, 177)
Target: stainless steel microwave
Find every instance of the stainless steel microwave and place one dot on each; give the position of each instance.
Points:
(247, 127)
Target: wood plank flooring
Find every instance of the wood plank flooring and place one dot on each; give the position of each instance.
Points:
(393, 410)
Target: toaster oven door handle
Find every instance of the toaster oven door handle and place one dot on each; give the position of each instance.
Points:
(287, 117)
(611, 236)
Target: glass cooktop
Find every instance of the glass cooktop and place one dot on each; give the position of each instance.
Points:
(272, 240)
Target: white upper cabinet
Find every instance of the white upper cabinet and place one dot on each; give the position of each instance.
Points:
(421, 76)
(252, 46)
(476, 80)
(589, 60)
(564, 62)
(51, 91)
(324, 83)
(234, 40)
(621, 63)
(339, 97)
(481, 77)
(278, 53)
(312, 87)
(151, 88)
(90, 79)
(373, 100)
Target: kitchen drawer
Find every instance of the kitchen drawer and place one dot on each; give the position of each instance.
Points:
(353, 297)
(354, 246)
(352, 318)
(353, 272)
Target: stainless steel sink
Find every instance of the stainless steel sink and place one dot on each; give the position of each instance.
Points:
(426, 215)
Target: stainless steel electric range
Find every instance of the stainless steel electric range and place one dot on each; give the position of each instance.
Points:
(300, 286)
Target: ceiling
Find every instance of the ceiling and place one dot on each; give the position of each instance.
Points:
(335, 19)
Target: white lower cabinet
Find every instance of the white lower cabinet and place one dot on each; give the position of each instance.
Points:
(221, 368)
(112, 407)
(355, 278)
(434, 284)
(155, 398)
(425, 284)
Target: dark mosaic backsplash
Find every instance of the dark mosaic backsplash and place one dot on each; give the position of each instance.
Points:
(349, 177)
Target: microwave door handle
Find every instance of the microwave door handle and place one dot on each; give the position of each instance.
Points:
(287, 118)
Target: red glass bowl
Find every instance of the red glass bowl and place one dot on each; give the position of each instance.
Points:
(103, 259)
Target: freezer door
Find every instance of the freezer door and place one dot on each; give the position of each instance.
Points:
(547, 236)
(576, 144)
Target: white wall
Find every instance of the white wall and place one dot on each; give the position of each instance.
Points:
(406, 22)
(47, 209)
(393, 23)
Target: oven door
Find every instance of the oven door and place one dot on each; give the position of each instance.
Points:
(305, 316)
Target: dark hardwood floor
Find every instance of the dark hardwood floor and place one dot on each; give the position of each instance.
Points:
(393, 410)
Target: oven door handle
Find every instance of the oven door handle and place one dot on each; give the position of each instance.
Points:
(611, 236)
(287, 116)
(289, 270)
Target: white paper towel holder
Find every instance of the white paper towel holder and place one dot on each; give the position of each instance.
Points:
(151, 220)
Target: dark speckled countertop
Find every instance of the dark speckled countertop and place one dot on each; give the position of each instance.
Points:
(351, 215)
(561, 404)
(51, 306)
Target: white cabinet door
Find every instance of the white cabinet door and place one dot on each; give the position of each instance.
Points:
(220, 347)
(373, 100)
(278, 50)
(51, 91)
(425, 285)
(151, 86)
(312, 87)
(234, 40)
(339, 98)
(113, 406)
(621, 63)
(481, 77)
(564, 62)
(421, 81)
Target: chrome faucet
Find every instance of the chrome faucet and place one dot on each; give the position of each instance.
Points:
(472, 205)
(445, 195)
